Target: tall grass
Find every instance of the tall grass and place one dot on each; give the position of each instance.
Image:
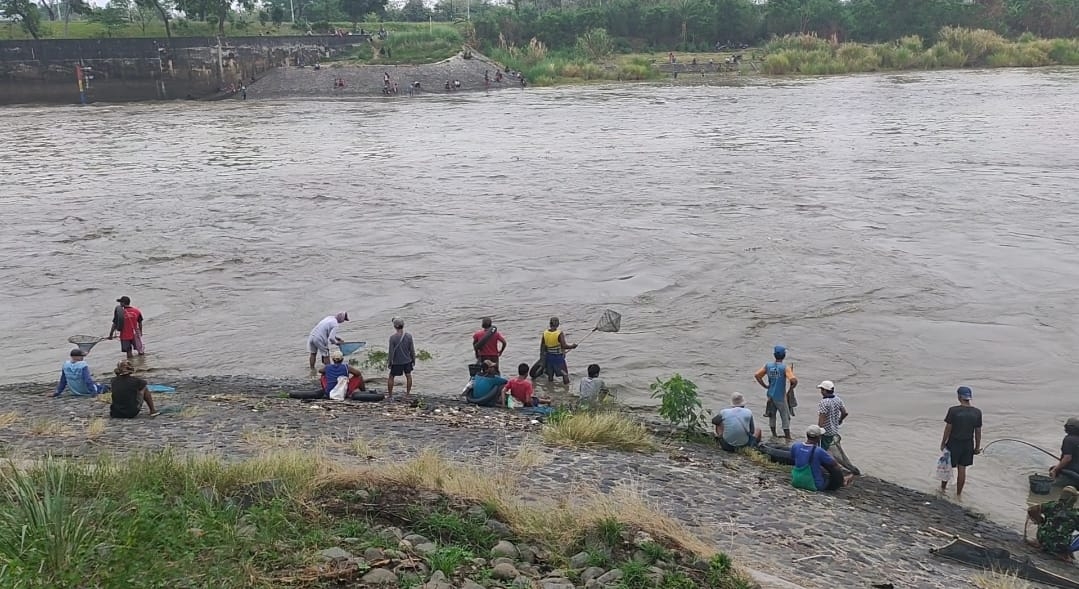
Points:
(604, 429)
(422, 46)
(543, 68)
(954, 48)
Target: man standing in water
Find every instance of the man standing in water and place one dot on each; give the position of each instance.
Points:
(553, 345)
(488, 343)
(324, 334)
(780, 385)
(962, 437)
(401, 358)
(128, 321)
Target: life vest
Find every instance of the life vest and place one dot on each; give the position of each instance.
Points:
(552, 341)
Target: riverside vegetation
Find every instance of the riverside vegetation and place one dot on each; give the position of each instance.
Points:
(296, 519)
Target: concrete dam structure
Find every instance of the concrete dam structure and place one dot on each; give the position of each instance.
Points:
(70, 71)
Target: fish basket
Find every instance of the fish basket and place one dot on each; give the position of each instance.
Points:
(1040, 484)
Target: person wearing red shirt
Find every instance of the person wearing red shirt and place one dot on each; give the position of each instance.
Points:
(521, 388)
(488, 343)
(128, 321)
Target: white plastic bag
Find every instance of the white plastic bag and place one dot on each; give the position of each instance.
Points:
(339, 391)
(944, 467)
(513, 403)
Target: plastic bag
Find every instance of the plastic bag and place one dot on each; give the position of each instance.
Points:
(513, 403)
(339, 391)
(944, 467)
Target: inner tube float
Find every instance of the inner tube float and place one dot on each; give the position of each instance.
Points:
(537, 369)
(778, 454)
(367, 397)
(487, 400)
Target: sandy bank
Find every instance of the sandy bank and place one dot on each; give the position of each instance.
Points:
(367, 80)
(872, 533)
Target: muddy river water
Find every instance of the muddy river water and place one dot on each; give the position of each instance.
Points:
(900, 234)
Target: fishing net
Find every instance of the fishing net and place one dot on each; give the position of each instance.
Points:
(610, 322)
(348, 348)
(85, 342)
(1001, 561)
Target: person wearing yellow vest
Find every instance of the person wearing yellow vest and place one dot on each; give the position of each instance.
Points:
(553, 346)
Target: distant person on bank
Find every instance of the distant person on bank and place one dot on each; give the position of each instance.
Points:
(129, 393)
(962, 437)
(553, 347)
(127, 321)
(780, 387)
(734, 426)
(488, 343)
(323, 335)
(75, 376)
(335, 370)
(401, 358)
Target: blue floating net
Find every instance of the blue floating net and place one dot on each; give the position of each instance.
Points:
(349, 348)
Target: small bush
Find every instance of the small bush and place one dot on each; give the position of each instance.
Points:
(679, 403)
(448, 560)
(606, 429)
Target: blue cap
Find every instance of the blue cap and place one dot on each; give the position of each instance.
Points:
(779, 351)
(964, 392)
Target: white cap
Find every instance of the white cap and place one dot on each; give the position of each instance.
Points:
(826, 385)
(814, 431)
(738, 399)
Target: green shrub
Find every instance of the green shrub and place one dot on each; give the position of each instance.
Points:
(679, 403)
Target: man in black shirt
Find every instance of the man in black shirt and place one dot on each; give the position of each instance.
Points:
(129, 392)
(962, 437)
(1069, 451)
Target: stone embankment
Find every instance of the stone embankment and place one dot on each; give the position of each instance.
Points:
(871, 534)
(368, 80)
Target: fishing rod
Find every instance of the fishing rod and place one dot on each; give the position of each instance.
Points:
(1055, 457)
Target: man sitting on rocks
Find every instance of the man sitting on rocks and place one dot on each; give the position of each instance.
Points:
(814, 468)
(75, 375)
(337, 369)
(487, 387)
(128, 393)
(734, 426)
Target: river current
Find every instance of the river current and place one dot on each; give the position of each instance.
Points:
(901, 234)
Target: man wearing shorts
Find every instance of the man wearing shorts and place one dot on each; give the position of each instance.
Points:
(324, 334)
(401, 357)
(128, 321)
(780, 387)
(962, 437)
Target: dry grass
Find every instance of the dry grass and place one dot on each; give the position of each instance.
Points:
(8, 419)
(998, 580)
(43, 426)
(759, 458)
(277, 437)
(95, 427)
(189, 412)
(604, 429)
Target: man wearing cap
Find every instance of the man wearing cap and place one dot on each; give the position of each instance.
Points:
(75, 375)
(401, 358)
(826, 474)
(831, 412)
(962, 437)
(734, 426)
(487, 387)
(488, 343)
(324, 334)
(780, 386)
(127, 320)
(1069, 452)
(129, 393)
(337, 369)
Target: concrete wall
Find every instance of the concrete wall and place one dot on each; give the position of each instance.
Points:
(123, 70)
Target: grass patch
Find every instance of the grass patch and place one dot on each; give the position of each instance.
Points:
(95, 427)
(8, 419)
(277, 437)
(604, 429)
(261, 522)
(999, 580)
(760, 459)
(44, 426)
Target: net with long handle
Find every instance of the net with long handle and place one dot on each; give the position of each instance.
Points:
(85, 342)
(610, 322)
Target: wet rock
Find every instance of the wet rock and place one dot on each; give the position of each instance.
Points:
(476, 512)
(610, 577)
(641, 538)
(579, 560)
(416, 539)
(470, 584)
(527, 554)
(479, 562)
(504, 571)
(556, 583)
(506, 549)
(592, 584)
(426, 548)
(438, 581)
(334, 554)
(503, 560)
(350, 540)
(393, 533)
(404, 546)
(591, 573)
(373, 554)
(640, 557)
(380, 577)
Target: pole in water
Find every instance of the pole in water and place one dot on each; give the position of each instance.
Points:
(1039, 448)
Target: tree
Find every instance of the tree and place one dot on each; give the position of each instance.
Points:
(596, 44)
(358, 9)
(415, 11)
(114, 16)
(212, 10)
(277, 14)
(163, 9)
(27, 14)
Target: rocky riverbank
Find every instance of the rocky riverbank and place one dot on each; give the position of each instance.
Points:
(368, 80)
(871, 533)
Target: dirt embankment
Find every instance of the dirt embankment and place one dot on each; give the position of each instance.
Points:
(368, 80)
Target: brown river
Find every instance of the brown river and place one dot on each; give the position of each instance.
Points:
(900, 234)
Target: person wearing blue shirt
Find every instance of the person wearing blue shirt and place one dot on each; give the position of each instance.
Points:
(487, 387)
(75, 376)
(780, 387)
(826, 472)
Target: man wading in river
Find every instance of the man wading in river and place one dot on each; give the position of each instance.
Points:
(780, 387)
(962, 437)
(488, 343)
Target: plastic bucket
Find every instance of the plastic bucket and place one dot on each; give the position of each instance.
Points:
(1040, 484)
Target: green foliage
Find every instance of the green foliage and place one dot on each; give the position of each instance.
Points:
(610, 532)
(655, 551)
(595, 44)
(26, 13)
(448, 560)
(719, 569)
(450, 528)
(634, 576)
(679, 403)
(677, 580)
(378, 360)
